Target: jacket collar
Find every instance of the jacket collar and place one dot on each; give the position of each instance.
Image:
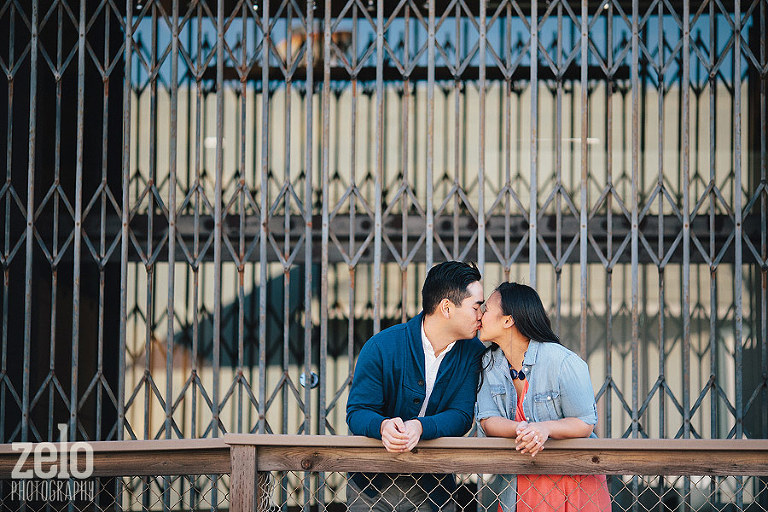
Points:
(532, 353)
(413, 328)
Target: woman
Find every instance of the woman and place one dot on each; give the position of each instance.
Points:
(534, 389)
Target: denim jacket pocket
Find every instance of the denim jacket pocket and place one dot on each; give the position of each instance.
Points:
(547, 406)
(498, 389)
(499, 396)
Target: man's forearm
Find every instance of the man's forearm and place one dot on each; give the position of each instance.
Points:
(365, 422)
(451, 423)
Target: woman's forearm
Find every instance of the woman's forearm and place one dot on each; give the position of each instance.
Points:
(567, 428)
(496, 426)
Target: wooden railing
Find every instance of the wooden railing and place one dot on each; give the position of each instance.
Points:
(246, 456)
(143, 458)
(252, 454)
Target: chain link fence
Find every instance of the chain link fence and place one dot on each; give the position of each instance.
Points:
(299, 490)
(476, 492)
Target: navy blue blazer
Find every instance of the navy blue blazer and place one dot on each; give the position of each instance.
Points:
(389, 382)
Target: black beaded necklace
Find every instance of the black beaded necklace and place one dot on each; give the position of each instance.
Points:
(516, 374)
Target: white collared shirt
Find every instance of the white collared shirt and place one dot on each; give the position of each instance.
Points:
(431, 366)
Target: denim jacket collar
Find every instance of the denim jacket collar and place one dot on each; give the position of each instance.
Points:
(529, 360)
(531, 353)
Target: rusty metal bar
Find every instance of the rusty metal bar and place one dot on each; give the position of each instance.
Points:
(459, 155)
(712, 251)
(98, 379)
(352, 269)
(308, 176)
(404, 187)
(660, 241)
(264, 214)
(610, 191)
(196, 249)
(325, 179)
(764, 216)
(4, 384)
(172, 164)
(533, 205)
(30, 215)
(635, 206)
(379, 167)
(430, 207)
(78, 236)
(148, 260)
(481, 164)
(507, 145)
(738, 231)
(584, 207)
(217, 217)
(324, 183)
(125, 207)
(242, 190)
(288, 112)
(686, 312)
(53, 192)
(559, 172)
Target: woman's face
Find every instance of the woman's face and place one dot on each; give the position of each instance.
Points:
(493, 322)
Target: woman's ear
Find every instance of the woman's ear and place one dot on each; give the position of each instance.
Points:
(508, 321)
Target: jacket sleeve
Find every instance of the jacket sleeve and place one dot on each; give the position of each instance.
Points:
(365, 405)
(576, 393)
(487, 407)
(456, 420)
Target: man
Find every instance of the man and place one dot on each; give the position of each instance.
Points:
(418, 380)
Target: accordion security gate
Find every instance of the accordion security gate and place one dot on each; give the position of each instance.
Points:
(210, 206)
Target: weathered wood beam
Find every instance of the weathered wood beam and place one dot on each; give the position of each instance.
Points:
(482, 455)
(141, 458)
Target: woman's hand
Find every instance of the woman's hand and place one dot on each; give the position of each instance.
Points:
(531, 437)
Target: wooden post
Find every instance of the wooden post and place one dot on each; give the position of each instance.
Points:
(244, 492)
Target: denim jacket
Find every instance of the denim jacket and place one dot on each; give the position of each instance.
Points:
(559, 387)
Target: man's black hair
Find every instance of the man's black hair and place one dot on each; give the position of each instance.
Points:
(448, 280)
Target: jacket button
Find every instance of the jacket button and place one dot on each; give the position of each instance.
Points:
(416, 400)
(420, 383)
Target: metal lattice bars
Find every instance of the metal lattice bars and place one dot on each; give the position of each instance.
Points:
(289, 170)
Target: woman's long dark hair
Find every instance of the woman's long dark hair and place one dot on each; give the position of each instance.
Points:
(523, 304)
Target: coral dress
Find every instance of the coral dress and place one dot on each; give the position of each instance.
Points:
(560, 493)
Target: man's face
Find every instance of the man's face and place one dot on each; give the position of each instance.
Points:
(467, 315)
